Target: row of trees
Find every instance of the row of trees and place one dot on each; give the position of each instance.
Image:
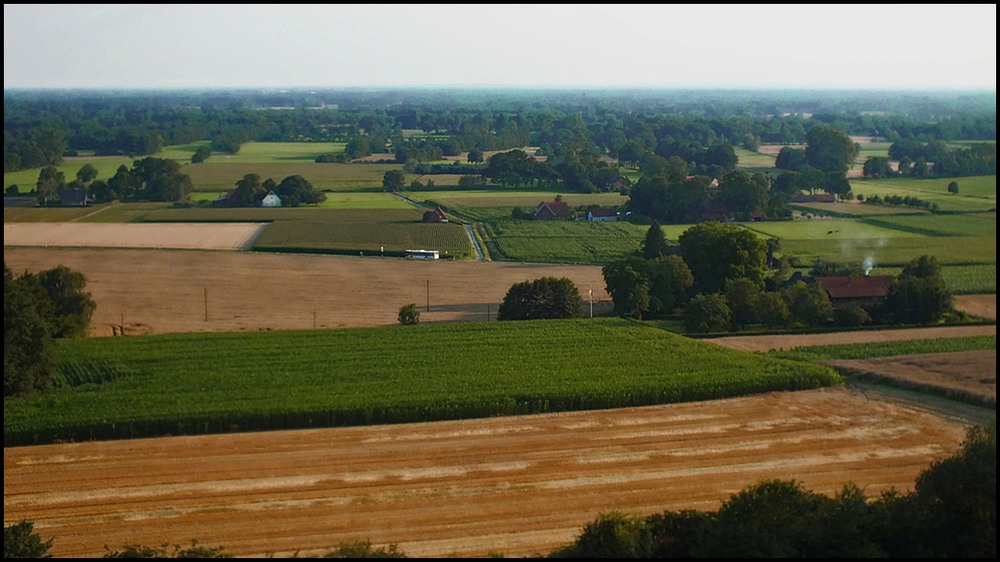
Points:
(950, 514)
(37, 309)
(40, 127)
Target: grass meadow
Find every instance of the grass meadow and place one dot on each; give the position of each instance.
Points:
(147, 386)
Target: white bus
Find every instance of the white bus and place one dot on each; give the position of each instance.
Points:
(422, 254)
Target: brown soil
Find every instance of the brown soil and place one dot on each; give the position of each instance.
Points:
(520, 486)
(155, 292)
(972, 373)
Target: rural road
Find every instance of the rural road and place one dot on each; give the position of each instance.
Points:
(475, 243)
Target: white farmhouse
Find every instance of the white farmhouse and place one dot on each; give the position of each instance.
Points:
(271, 200)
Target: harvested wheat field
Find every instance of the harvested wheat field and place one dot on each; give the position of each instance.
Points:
(170, 291)
(519, 486)
(962, 373)
(187, 236)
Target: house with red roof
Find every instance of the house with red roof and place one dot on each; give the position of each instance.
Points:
(552, 210)
(437, 215)
(866, 291)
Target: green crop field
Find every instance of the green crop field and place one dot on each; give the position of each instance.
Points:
(961, 279)
(148, 386)
(371, 238)
(268, 152)
(42, 214)
(853, 209)
(364, 200)
(569, 241)
(976, 193)
(888, 349)
(749, 159)
(213, 175)
(496, 204)
(938, 225)
(826, 229)
(894, 251)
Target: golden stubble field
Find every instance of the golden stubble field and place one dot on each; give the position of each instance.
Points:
(520, 486)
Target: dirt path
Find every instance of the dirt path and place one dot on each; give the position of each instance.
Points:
(520, 486)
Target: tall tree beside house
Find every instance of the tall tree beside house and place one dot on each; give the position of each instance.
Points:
(249, 190)
(919, 294)
(161, 179)
(50, 182)
(718, 252)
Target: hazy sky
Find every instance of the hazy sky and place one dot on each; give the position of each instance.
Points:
(585, 45)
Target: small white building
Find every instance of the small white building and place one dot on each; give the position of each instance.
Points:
(271, 200)
(602, 215)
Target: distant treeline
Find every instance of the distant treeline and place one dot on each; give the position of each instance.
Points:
(41, 126)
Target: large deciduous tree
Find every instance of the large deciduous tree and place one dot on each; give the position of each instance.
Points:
(919, 294)
(296, 190)
(393, 180)
(50, 182)
(161, 179)
(718, 252)
(28, 364)
(543, 298)
(830, 149)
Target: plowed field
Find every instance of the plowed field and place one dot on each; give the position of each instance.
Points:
(519, 486)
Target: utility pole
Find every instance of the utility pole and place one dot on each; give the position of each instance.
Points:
(428, 295)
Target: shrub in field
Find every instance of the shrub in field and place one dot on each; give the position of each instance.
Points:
(409, 314)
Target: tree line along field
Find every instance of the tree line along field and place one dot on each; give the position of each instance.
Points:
(148, 386)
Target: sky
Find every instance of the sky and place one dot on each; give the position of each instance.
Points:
(776, 46)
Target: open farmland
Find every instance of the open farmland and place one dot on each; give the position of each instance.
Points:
(157, 292)
(568, 241)
(520, 486)
(384, 238)
(482, 205)
(148, 386)
(219, 236)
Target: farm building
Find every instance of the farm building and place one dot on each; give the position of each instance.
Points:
(437, 215)
(552, 210)
(602, 215)
(866, 291)
(271, 200)
(74, 198)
